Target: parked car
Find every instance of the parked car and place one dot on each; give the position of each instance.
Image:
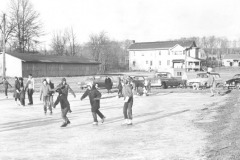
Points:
(100, 80)
(138, 80)
(202, 79)
(165, 80)
(234, 82)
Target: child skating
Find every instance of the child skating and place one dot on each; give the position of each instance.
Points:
(62, 99)
(94, 97)
(5, 85)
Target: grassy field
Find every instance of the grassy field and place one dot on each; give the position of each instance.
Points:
(226, 73)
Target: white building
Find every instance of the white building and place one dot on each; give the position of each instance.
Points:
(165, 56)
(231, 60)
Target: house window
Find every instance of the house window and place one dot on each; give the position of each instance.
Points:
(159, 53)
(179, 73)
(134, 63)
(151, 63)
(146, 62)
(168, 62)
(159, 63)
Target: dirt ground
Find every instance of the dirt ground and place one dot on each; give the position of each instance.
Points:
(172, 125)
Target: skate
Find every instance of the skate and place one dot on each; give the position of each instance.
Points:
(95, 123)
(125, 122)
(129, 122)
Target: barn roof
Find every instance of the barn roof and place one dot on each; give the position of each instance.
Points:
(52, 58)
(232, 56)
(161, 45)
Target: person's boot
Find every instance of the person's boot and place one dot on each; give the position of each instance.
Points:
(68, 122)
(129, 122)
(103, 119)
(125, 122)
(64, 124)
(95, 123)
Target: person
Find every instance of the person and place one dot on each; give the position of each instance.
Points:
(65, 105)
(184, 80)
(44, 95)
(51, 85)
(5, 85)
(108, 84)
(119, 87)
(16, 93)
(22, 92)
(211, 83)
(94, 97)
(65, 89)
(30, 88)
(128, 102)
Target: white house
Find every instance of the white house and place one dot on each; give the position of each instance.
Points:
(165, 55)
(231, 60)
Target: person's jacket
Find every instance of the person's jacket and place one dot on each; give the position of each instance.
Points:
(62, 99)
(45, 90)
(65, 88)
(51, 85)
(94, 97)
(127, 91)
(6, 84)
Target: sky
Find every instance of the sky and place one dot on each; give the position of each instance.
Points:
(139, 20)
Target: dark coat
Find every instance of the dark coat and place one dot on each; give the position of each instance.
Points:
(65, 88)
(51, 85)
(22, 91)
(94, 97)
(6, 84)
(63, 101)
(108, 83)
(16, 88)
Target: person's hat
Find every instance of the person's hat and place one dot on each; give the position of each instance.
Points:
(63, 79)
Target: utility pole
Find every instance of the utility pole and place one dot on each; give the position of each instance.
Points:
(4, 32)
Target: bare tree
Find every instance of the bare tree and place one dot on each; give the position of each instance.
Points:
(26, 24)
(71, 40)
(98, 45)
(58, 43)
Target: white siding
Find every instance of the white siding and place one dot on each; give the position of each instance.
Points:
(13, 66)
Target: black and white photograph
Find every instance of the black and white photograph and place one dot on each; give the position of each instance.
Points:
(120, 80)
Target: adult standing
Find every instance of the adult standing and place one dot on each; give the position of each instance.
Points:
(94, 97)
(128, 102)
(22, 92)
(5, 85)
(211, 83)
(30, 88)
(108, 84)
(184, 80)
(44, 95)
(119, 87)
(51, 85)
(16, 93)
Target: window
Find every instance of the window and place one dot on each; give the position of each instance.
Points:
(168, 62)
(146, 62)
(159, 63)
(151, 63)
(134, 63)
(179, 73)
(159, 53)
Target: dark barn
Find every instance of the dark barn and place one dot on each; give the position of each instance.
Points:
(55, 66)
